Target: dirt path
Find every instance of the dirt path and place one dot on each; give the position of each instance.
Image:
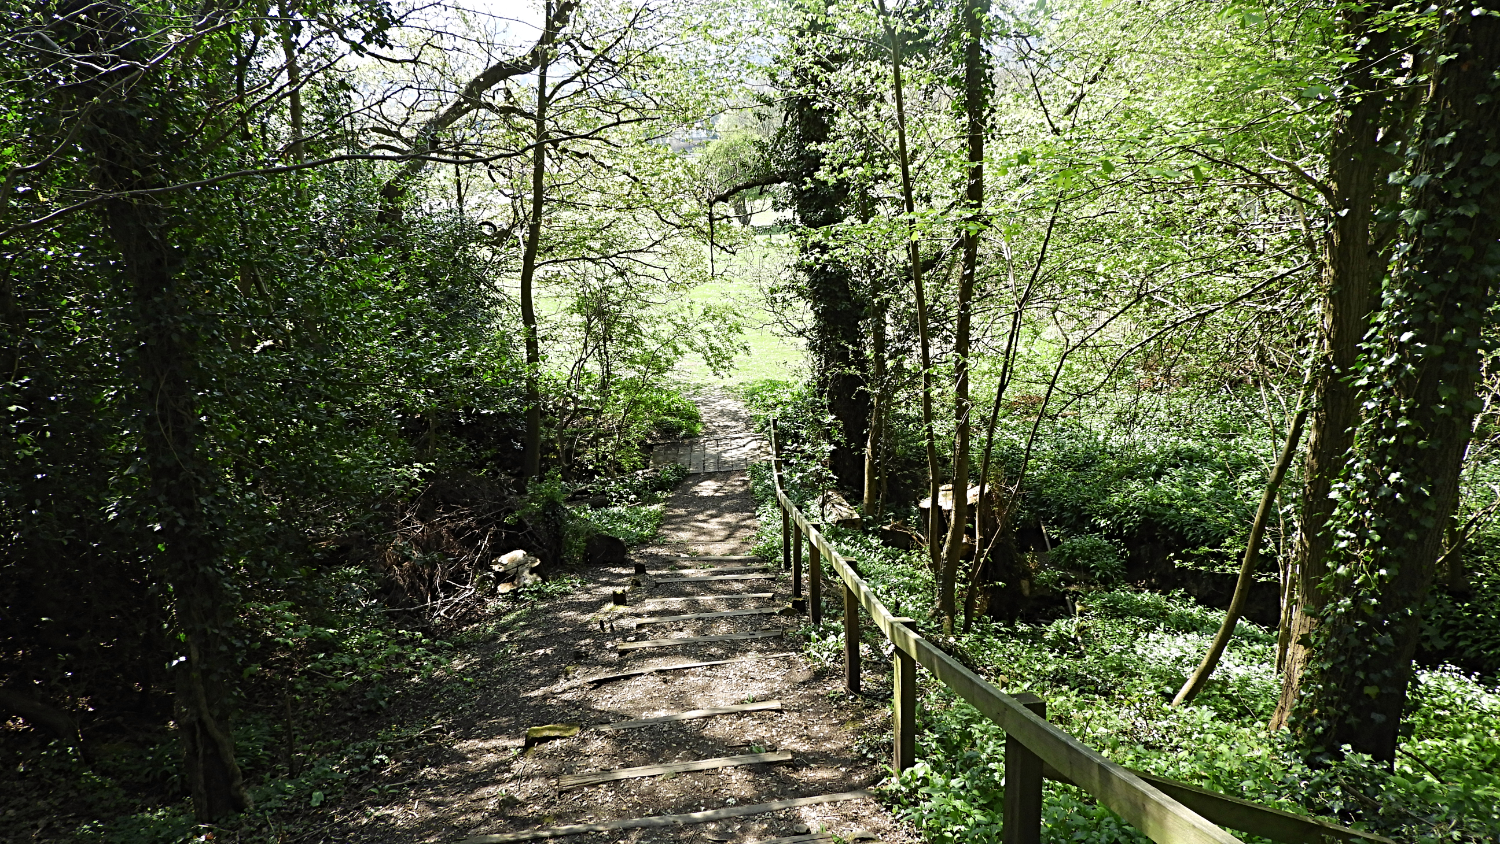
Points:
(486, 784)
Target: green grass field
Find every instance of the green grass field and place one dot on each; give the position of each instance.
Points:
(741, 280)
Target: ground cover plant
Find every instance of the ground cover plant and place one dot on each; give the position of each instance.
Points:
(311, 312)
(1108, 661)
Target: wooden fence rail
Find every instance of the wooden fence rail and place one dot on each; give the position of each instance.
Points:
(1166, 811)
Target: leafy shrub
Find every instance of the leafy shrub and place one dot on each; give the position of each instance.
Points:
(633, 523)
(645, 485)
(1089, 557)
(1465, 629)
(673, 415)
(1199, 496)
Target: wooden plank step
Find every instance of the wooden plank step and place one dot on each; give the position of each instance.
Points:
(693, 640)
(810, 838)
(767, 576)
(719, 569)
(730, 596)
(662, 821)
(720, 558)
(580, 780)
(700, 615)
(620, 675)
(693, 714)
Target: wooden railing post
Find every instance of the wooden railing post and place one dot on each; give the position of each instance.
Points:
(904, 706)
(796, 561)
(786, 538)
(1022, 819)
(851, 640)
(815, 580)
(786, 516)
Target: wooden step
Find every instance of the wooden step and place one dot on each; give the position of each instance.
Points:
(728, 596)
(664, 821)
(693, 640)
(718, 569)
(620, 675)
(580, 780)
(638, 622)
(732, 558)
(765, 576)
(693, 714)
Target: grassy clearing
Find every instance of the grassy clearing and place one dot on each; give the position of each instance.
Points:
(742, 280)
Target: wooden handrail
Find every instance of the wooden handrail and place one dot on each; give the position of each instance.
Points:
(1152, 810)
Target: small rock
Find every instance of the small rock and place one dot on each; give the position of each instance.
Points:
(730, 801)
(801, 829)
(863, 835)
(605, 550)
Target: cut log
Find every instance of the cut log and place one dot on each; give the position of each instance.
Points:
(662, 821)
(580, 780)
(693, 640)
(831, 509)
(695, 714)
(945, 498)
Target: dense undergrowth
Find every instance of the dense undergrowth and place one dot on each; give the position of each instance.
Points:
(337, 667)
(1109, 668)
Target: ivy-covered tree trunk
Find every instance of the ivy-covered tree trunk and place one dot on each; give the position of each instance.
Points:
(134, 154)
(837, 306)
(1420, 369)
(1353, 266)
(182, 487)
(139, 138)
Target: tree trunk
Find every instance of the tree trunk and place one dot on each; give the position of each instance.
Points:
(914, 255)
(181, 486)
(837, 307)
(531, 452)
(874, 469)
(466, 102)
(294, 151)
(1248, 562)
(976, 89)
(133, 150)
(1422, 365)
(1352, 272)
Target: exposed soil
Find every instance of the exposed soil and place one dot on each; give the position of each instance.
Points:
(722, 413)
(480, 780)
